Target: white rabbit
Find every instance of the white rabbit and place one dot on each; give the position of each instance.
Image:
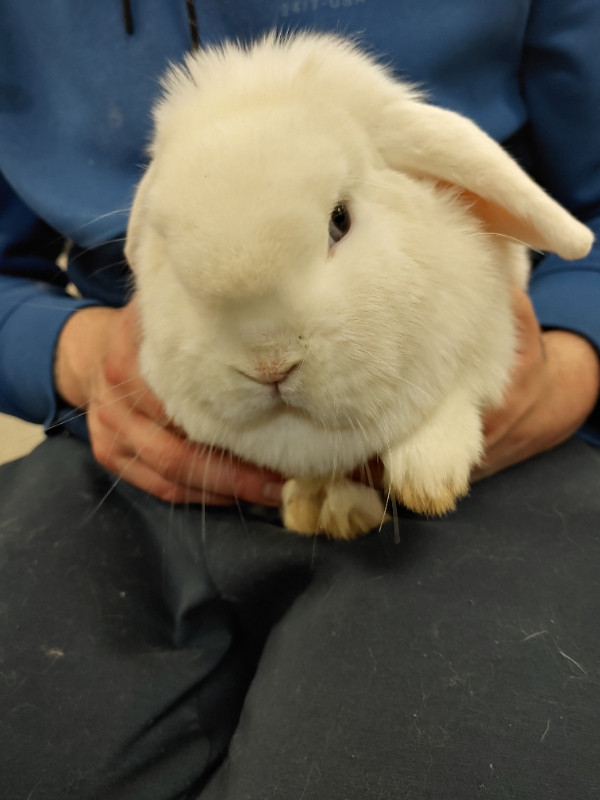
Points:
(323, 266)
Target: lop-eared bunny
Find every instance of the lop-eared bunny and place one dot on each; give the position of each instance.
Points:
(323, 264)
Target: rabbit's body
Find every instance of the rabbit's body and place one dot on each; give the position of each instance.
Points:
(271, 332)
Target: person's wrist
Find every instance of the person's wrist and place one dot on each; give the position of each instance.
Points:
(79, 348)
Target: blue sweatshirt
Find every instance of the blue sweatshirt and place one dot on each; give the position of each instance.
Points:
(77, 82)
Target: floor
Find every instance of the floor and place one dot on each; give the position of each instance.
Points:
(17, 438)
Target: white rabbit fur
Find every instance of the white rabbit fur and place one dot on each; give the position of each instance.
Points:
(395, 338)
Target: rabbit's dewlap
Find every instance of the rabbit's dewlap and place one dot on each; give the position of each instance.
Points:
(320, 276)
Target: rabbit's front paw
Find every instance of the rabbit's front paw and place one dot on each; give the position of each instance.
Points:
(301, 503)
(431, 500)
(341, 509)
(430, 472)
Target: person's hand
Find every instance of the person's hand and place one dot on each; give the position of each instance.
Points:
(97, 369)
(553, 389)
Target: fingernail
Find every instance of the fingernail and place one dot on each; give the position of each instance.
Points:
(272, 492)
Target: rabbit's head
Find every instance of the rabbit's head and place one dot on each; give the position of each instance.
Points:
(320, 255)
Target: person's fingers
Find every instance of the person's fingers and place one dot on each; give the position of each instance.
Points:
(128, 467)
(159, 460)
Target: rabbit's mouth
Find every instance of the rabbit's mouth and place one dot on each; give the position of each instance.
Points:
(260, 403)
(277, 399)
(292, 406)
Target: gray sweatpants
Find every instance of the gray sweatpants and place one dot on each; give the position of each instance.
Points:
(152, 652)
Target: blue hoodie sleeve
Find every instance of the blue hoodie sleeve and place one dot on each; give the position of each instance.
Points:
(34, 306)
(561, 86)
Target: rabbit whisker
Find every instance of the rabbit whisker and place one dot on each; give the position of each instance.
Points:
(118, 478)
(82, 411)
(98, 246)
(390, 499)
(510, 238)
(113, 213)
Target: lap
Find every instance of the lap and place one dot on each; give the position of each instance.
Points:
(122, 673)
(157, 652)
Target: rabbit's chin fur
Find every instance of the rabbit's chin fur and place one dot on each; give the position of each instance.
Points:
(263, 337)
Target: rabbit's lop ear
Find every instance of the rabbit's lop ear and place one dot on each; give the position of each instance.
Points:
(429, 141)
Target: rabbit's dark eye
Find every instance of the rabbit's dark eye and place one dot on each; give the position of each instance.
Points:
(339, 223)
